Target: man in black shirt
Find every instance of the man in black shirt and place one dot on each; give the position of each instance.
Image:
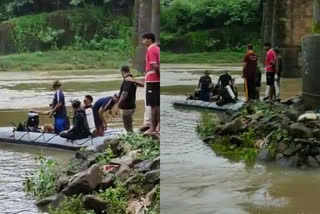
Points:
(225, 79)
(204, 86)
(80, 127)
(127, 101)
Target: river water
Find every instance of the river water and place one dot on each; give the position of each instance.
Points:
(194, 180)
(22, 91)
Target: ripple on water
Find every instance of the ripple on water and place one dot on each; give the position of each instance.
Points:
(13, 168)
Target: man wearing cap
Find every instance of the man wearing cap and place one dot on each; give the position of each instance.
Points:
(204, 86)
(59, 111)
(80, 127)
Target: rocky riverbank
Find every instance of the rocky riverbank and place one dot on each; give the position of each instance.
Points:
(269, 132)
(120, 176)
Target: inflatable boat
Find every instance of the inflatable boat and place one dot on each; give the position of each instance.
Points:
(209, 105)
(10, 135)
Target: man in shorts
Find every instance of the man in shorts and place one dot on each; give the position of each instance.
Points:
(270, 66)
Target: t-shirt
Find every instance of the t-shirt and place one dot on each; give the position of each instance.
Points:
(58, 97)
(249, 71)
(224, 80)
(205, 81)
(101, 103)
(152, 56)
(270, 59)
(130, 101)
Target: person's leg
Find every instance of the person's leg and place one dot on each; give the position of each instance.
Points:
(277, 87)
(127, 119)
(257, 93)
(252, 90)
(147, 109)
(153, 99)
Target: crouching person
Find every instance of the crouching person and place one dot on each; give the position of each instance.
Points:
(80, 127)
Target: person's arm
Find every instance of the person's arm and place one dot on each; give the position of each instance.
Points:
(123, 97)
(199, 84)
(138, 83)
(101, 113)
(156, 67)
(58, 106)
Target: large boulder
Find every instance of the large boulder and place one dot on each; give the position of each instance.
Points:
(106, 182)
(292, 150)
(153, 176)
(62, 182)
(265, 155)
(156, 163)
(124, 172)
(143, 166)
(233, 127)
(298, 130)
(84, 182)
(312, 162)
(288, 161)
(95, 203)
(125, 160)
(53, 200)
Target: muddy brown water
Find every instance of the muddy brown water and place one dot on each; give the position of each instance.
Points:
(24, 91)
(196, 180)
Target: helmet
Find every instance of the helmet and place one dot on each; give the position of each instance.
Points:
(76, 103)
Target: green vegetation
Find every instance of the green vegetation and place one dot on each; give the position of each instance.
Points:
(207, 125)
(148, 147)
(42, 183)
(61, 60)
(72, 205)
(224, 56)
(209, 25)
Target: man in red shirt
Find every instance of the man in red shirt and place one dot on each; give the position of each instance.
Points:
(152, 81)
(270, 66)
(250, 62)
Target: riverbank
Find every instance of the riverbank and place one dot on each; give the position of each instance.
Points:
(268, 132)
(62, 60)
(120, 176)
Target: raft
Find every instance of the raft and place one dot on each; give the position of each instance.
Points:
(10, 135)
(209, 105)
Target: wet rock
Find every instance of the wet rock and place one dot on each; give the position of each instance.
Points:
(293, 114)
(106, 182)
(236, 140)
(143, 166)
(279, 156)
(53, 201)
(124, 172)
(288, 161)
(62, 182)
(210, 139)
(316, 133)
(232, 128)
(95, 203)
(265, 155)
(300, 131)
(292, 150)
(153, 176)
(303, 141)
(84, 182)
(282, 147)
(156, 163)
(312, 162)
(317, 157)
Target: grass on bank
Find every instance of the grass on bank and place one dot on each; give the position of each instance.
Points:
(62, 60)
(203, 58)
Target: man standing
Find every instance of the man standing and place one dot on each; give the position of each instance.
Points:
(127, 100)
(250, 62)
(59, 111)
(204, 86)
(152, 81)
(270, 66)
(278, 73)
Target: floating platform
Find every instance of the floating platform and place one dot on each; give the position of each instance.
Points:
(9, 135)
(210, 105)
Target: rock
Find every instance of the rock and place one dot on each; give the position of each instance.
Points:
(106, 182)
(156, 163)
(53, 201)
(307, 117)
(236, 140)
(288, 161)
(93, 159)
(304, 141)
(312, 162)
(292, 115)
(317, 158)
(282, 147)
(232, 128)
(265, 155)
(95, 203)
(124, 172)
(279, 156)
(143, 166)
(132, 180)
(300, 131)
(151, 196)
(292, 100)
(62, 182)
(135, 207)
(316, 133)
(84, 182)
(292, 150)
(153, 176)
(115, 145)
(210, 139)
(125, 160)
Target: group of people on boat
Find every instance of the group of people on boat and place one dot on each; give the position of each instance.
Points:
(225, 90)
(89, 118)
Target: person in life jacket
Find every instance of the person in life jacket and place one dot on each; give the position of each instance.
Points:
(227, 94)
(88, 99)
(80, 127)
